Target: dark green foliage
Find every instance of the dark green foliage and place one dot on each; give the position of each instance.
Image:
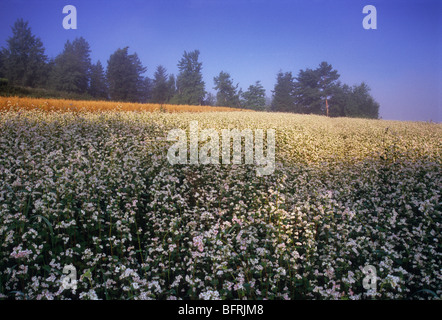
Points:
(2, 64)
(353, 101)
(16, 91)
(4, 84)
(98, 87)
(312, 90)
(283, 93)
(255, 97)
(227, 95)
(189, 82)
(145, 93)
(364, 102)
(71, 70)
(160, 87)
(327, 78)
(171, 86)
(306, 93)
(23, 62)
(210, 99)
(124, 76)
(312, 87)
(341, 100)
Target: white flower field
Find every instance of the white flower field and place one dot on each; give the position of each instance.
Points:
(95, 190)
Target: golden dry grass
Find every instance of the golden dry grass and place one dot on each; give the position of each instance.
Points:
(17, 103)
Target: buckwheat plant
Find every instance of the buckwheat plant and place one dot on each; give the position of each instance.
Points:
(95, 190)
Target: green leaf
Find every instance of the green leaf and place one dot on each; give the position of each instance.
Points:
(46, 221)
(88, 274)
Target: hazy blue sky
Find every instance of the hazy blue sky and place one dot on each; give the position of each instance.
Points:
(252, 40)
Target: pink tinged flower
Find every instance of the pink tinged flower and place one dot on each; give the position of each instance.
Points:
(235, 219)
(17, 253)
(198, 242)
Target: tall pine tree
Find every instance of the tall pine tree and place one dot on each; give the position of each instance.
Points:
(71, 70)
(2, 63)
(365, 104)
(98, 87)
(171, 87)
(354, 101)
(283, 93)
(124, 77)
(226, 95)
(160, 88)
(313, 87)
(255, 97)
(189, 82)
(24, 60)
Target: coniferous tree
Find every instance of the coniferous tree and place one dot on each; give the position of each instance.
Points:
(340, 102)
(2, 63)
(145, 94)
(98, 87)
(227, 95)
(313, 87)
(124, 77)
(171, 87)
(306, 93)
(327, 78)
(254, 98)
(71, 70)
(353, 101)
(189, 82)
(313, 90)
(365, 104)
(24, 60)
(210, 99)
(160, 86)
(283, 93)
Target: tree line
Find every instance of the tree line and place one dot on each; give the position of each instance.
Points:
(319, 91)
(24, 63)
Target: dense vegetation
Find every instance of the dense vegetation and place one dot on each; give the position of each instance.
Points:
(95, 190)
